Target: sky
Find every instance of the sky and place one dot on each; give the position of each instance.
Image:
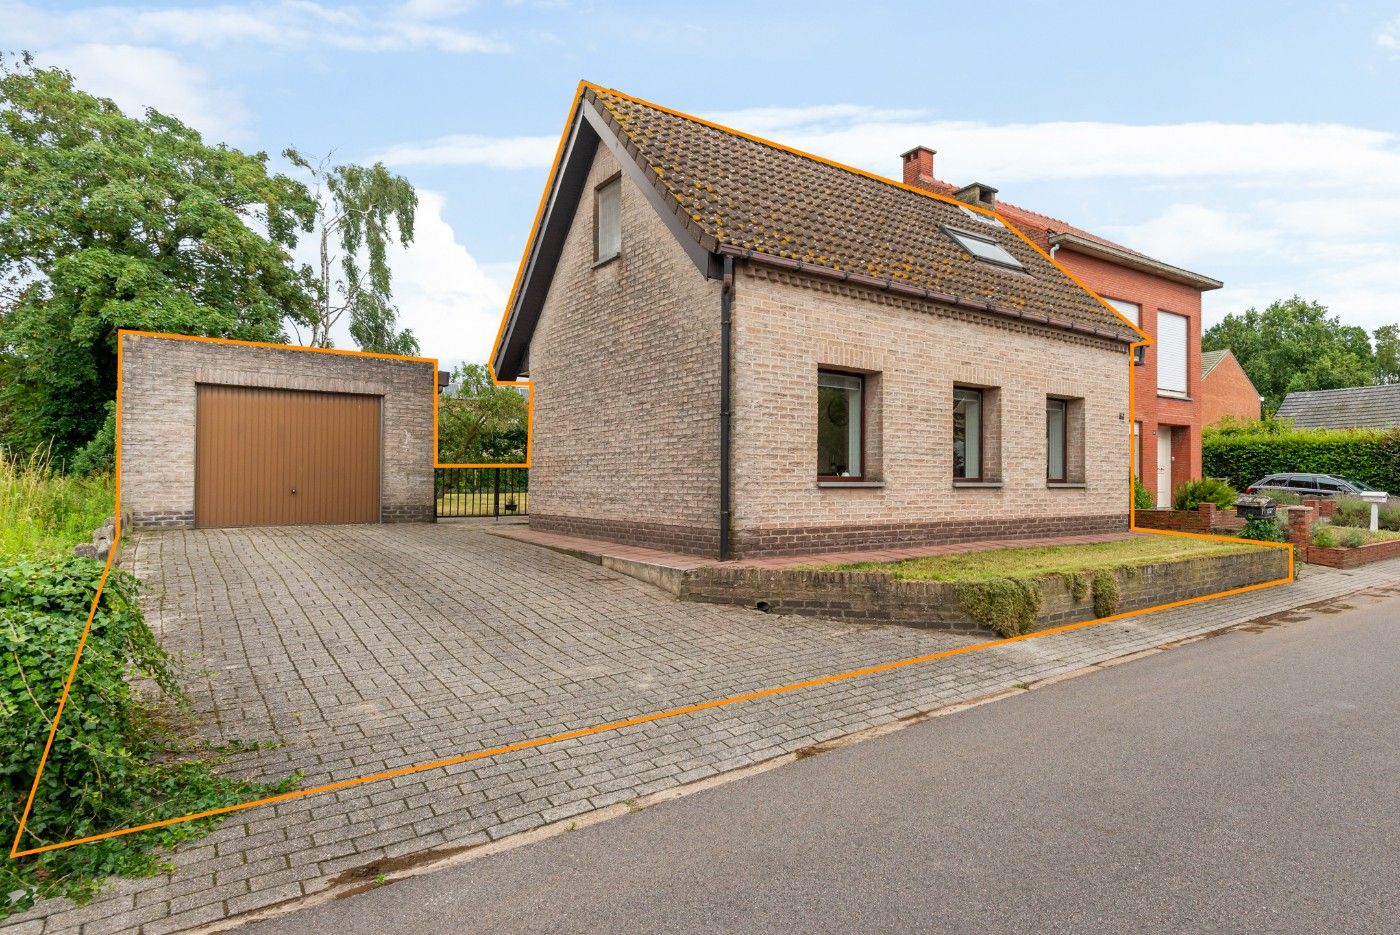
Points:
(1258, 143)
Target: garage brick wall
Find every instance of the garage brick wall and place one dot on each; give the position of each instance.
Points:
(159, 379)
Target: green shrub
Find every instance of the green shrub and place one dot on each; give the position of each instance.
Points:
(1106, 594)
(1284, 498)
(1142, 497)
(115, 761)
(1007, 606)
(1324, 537)
(1263, 529)
(1353, 538)
(1244, 455)
(1207, 490)
(1352, 511)
(1390, 517)
(1077, 584)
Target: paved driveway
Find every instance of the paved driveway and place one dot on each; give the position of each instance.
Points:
(366, 648)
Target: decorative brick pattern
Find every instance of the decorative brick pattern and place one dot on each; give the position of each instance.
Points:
(159, 379)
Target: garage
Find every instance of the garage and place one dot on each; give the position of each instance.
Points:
(221, 433)
(276, 457)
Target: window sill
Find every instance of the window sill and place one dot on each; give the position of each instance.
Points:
(850, 483)
(1065, 485)
(1164, 394)
(977, 483)
(606, 260)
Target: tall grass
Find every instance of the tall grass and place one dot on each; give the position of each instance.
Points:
(45, 512)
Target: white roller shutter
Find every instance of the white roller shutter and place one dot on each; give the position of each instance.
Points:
(1171, 353)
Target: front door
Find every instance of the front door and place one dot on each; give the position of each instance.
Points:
(1164, 467)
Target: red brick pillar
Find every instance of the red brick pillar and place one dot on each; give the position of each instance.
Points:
(1207, 511)
(1300, 530)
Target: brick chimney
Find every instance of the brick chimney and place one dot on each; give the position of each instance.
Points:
(918, 166)
(977, 193)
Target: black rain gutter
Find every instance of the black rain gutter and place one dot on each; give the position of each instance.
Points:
(889, 285)
(726, 322)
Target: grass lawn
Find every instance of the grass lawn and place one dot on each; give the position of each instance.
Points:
(1037, 561)
(44, 513)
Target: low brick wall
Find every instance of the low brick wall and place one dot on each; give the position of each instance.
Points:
(1351, 558)
(1197, 520)
(880, 598)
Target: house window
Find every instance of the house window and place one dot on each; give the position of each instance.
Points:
(967, 434)
(983, 248)
(840, 425)
(607, 219)
(1171, 354)
(1056, 440)
(1129, 310)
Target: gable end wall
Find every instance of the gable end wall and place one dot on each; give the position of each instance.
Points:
(625, 368)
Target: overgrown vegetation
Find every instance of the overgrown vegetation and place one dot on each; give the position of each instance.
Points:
(118, 758)
(44, 513)
(1353, 511)
(1107, 596)
(1206, 490)
(480, 422)
(1244, 453)
(1006, 606)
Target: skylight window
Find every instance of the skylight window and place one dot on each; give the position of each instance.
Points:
(981, 218)
(983, 249)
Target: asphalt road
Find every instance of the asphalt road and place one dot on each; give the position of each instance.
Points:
(1246, 783)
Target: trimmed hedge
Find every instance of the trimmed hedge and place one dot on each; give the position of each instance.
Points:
(1371, 456)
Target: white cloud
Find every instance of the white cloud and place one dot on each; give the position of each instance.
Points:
(282, 24)
(1389, 36)
(452, 302)
(509, 152)
(137, 77)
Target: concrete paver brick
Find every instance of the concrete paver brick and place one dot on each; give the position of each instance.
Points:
(362, 647)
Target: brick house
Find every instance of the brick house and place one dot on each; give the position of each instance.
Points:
(1226, 390)
(1164, 300)
(737, 350)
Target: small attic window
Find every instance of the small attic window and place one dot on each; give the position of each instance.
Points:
(980, 218)
(607, 220)
(983, 248)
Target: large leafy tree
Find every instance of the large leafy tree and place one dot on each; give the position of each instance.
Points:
(480, 422)
(1294, 345)
(111, 221)
(1387, 339)
(360, 210)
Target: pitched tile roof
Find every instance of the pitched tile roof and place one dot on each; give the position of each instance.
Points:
(740, 193)
(1208, 361)
(1356, 407)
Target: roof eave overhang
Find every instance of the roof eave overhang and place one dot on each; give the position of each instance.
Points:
(1137, 261)
(942, 298)
(588, 127)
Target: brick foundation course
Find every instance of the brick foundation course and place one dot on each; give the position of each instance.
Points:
(881, 598)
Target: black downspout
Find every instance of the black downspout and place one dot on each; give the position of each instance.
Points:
(726, 321)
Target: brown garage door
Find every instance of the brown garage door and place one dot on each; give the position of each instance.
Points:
(268, 457)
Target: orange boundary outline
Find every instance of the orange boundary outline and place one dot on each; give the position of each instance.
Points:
(15, 851)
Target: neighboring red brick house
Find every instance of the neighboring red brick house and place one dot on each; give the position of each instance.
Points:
(738, 349)
(1164, 300)
(1226, 390)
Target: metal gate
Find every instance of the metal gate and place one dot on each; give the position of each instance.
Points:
(482, 492)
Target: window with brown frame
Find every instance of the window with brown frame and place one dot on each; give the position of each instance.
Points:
(840, 426)
(967, 434)
(1056, 440)
(607, 219)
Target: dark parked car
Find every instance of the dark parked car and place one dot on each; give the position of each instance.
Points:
(1316, 485)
